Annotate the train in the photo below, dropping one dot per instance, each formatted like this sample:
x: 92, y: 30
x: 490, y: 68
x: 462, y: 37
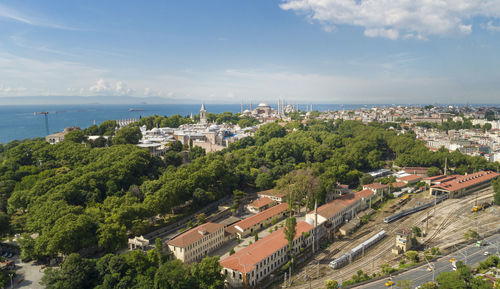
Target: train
x: 414, y: 210
x: 349, y: 256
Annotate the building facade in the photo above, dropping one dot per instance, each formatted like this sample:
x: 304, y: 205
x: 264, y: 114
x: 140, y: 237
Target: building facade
x: 249, y: 266
x: 196, y: 243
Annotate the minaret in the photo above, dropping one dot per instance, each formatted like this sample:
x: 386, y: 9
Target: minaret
x: 203, y: 114
x: 242, y: 107
x: 192, y: 117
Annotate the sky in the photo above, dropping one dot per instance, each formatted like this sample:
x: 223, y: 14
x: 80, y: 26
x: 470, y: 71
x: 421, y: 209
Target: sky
x: 227, y: 51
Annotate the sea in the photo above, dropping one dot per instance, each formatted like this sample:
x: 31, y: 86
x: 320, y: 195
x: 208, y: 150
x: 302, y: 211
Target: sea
x: 18, y: 122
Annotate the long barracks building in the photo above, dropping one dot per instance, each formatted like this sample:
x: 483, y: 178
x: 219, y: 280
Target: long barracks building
x: 250, y: 265
x: 458, y: 185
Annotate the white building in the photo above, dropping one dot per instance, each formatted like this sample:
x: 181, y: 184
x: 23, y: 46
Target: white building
x: 252, y: 264
x: 196, y: 243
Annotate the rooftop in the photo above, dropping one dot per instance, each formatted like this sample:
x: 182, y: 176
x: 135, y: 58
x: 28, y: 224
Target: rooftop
x: 410, y: 178
x: 330, y: 209
x: 461, y: 182
x: 376, y: 186
x: 272, y: 192
x: 246, y: 259
x: 257, y: 218
x: 261, y: 202
x: 187, y: 238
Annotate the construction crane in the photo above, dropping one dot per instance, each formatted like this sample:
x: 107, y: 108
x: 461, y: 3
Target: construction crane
x: 45, y: 113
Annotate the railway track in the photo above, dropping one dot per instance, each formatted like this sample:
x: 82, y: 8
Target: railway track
x: 384, y: 246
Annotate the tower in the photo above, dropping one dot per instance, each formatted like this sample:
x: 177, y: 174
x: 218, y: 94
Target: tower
x: 203, y: 114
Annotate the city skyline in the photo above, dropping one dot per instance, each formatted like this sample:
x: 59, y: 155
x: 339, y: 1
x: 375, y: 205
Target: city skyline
x: 228, y: 52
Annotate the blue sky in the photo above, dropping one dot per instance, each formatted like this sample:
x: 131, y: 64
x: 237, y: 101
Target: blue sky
x: 317, y: 51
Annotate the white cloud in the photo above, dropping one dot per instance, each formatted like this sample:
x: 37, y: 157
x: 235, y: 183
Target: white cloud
x: 16, y: 16
x: 395, y: 18
x: 103, y: 87
x: 491, y: 27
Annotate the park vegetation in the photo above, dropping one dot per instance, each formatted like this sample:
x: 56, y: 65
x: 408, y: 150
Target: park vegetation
x: 74, y: 196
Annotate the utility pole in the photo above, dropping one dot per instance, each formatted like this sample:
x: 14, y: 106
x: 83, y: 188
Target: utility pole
x: 11, y: 284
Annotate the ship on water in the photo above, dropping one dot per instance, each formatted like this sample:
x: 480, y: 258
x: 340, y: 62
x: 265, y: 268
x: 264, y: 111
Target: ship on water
x: 135, y: 109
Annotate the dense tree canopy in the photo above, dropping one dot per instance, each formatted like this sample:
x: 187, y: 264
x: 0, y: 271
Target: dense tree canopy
x: 99, y: 196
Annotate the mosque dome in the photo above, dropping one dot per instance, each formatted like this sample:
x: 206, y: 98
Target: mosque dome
x: 263, y: 105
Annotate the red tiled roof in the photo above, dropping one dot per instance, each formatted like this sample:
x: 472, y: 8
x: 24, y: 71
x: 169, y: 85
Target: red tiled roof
x: 410, y: 178
x: 257, y: 218
x: 337, y: 205
x: 272, y: 192
x: 376, y: 186
x: 441, y: 178
x: 398, y: 185
x: 230, y: 230
x: 414, y: 170
x: 246, y: 259
x: 261, y: 202
x: 365, y: 193
x: 195, y: 234
x: 461, y: 182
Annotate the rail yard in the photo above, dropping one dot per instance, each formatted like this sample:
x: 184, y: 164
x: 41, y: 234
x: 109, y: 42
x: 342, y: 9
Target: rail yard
x: 443, y: 225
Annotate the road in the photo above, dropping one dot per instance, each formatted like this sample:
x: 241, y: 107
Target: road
x: 420, y: 275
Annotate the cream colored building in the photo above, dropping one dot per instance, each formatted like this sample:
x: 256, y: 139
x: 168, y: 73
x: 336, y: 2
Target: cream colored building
x: 196, y: 243
x: 249, y: 266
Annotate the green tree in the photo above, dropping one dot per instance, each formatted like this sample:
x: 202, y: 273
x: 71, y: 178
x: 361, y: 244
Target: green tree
x: 196, y: 152
x: 75, y: 136
x: 471, y: 234
x: 112, y: 237
x: 173, y: 275
x: 496, y: 189
x: 201, y: 218
x: 159, y: 250
x: 289, y: 231
x: 4, y: 223
x: 127, y: 135
x: 264, y: 181
x: 331, y: 284
x: 450, y: 280
x: 433, y: 171
x: 416, y: 231
x: 412, y: 256
x: 367, y: 179
x: 74, y: 273
x: 207, y: 273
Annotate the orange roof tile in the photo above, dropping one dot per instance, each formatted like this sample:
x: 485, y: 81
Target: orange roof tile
x: 410, y: 178
x: 461, y: 182
x: 337, y: 205
x: 272, y: 192
x: 376, y: 186
x: 365, y: 193
x: 257, y: 218
x: 398, y: 185
x: 194, y: 234
x: 261, y: 202
x: 246, y: 259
